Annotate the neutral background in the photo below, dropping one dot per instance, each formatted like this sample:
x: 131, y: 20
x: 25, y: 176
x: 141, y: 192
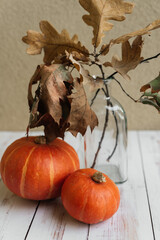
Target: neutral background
x: 16, y: 67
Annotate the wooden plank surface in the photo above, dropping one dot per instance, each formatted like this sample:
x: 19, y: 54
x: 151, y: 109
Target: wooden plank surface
x: 137, y: 218
x: 15, y: 215
x: 150, y: 151
x: 132, y: 221
x: 53, y: 222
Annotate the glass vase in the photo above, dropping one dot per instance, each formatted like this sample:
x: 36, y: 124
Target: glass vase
x: 105, y: 148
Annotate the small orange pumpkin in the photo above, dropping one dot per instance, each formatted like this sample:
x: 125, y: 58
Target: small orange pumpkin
x: 37, y: 171
x: 90, y: 196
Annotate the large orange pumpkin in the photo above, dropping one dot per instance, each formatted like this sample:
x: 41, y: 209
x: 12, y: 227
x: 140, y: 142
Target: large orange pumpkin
x: 37, y: 171
x: 90, y: 196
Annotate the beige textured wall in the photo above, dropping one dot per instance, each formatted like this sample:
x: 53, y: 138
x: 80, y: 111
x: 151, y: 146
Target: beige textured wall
x: 16, y: 67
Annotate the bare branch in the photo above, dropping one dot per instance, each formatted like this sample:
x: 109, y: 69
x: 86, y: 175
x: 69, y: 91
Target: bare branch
x: 104, y: 127
x: 117, y: 134
x: 92, y: 101
x: 150, y: 58
x: 124, y: 90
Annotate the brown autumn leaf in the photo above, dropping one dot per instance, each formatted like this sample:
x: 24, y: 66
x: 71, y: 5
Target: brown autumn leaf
x: 63, y: 58
x: 81, y: 114
x: 85, y: 77
x: 35, y: 78
x: 131, y: 57
x: 59, y: 103
x: 52, y: 129
x: 51, y: 95
x: 100, y: 11
x: 83, y: 72
x: 52, y: 42
x: 79, y: 57
x: 154, y: 25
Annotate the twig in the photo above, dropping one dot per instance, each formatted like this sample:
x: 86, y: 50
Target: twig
x: 103, y: 74
x: 111, y: 76
x: 72, y: 69
x: 94, y: 53
x: 124, y: 89
x: 150, y: 58
x: 117, y: 134
x: 92, y: 101
x: 104, y: 129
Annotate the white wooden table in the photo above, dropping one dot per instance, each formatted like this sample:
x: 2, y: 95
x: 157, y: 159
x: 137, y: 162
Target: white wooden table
x: 138, y: 217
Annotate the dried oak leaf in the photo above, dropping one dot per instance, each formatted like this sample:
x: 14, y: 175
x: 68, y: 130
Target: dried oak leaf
x: 100, y: 11
x: 63, y: 58
x: 131, y: 57
x: 85, y: 77
x: 51, y: 95
x: 52, y: 42
x: 52, y: 129
x: 154, y: 25
x: 59, y: 103
x: 81, y: 114
x: 79, y: 57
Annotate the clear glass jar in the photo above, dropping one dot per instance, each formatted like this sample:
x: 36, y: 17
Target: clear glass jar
x: 105, y: 149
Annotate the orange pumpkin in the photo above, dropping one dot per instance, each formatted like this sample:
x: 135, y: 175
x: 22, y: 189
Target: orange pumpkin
x: 37, y: 171
x: 90, y: 196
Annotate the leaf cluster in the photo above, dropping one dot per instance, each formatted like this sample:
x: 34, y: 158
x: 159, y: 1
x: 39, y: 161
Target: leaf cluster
x: 60, y: 101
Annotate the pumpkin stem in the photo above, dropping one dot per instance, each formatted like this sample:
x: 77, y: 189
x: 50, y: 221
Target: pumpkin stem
x: 40, y: 140
x: 98, y: 177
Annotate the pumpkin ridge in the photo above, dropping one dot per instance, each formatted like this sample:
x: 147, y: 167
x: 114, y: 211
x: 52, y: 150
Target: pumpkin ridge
x: 24, y: 170
x: 105, y: 212
x: 7, y: 159
x: 82, y: 210
x: 113, y: 194
x: 51, y: 175
x: 72, y: 150
x: 74, y: 165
